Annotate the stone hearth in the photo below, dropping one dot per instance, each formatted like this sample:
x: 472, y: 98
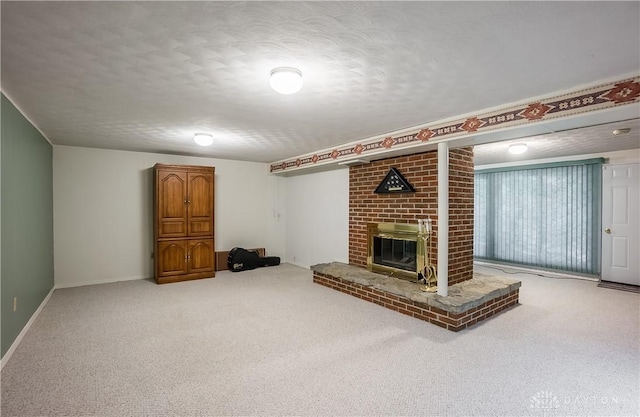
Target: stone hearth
x: 468, y: 302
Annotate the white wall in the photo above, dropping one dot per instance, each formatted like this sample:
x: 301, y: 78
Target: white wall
x: 103, y: 218
x: 103, y: 211
x: 622, y: 157
x: 317, y: 217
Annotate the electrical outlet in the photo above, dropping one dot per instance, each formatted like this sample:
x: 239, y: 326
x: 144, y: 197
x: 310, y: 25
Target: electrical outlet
x: 15, y: 304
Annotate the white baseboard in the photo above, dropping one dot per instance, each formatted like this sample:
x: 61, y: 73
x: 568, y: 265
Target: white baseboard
x: 26, y: 327
x: 95, y: 282
x: 297, y: 264
x: 526, y: 270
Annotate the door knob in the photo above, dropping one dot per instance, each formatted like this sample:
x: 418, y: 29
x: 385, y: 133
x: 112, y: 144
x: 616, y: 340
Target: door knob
x: 607, y: 231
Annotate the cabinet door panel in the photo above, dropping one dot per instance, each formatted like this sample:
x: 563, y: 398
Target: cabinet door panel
x: 201, y: 255
x: 172, y: 257
x: 200, y: 205
x: 172, y: 197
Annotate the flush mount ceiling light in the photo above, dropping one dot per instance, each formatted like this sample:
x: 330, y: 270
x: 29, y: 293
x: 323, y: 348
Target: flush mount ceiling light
x: 622, y: 131
x: 203, y: 139
x: 518, y: 148
x: 286, y: 80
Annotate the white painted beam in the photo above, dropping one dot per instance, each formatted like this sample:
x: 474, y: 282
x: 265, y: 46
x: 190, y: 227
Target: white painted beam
x: 443, y: 219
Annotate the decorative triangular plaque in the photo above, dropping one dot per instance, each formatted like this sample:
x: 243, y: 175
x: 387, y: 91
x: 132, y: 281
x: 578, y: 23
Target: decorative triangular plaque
x: 394, y: 182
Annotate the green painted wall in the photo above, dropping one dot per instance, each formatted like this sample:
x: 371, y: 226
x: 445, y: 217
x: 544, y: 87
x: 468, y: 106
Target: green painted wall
x: 26, y: 226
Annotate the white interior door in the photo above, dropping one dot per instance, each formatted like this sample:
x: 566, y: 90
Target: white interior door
x: 621, y: 224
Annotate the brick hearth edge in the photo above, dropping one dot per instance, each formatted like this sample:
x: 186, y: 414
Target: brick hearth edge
x: 469, y: 302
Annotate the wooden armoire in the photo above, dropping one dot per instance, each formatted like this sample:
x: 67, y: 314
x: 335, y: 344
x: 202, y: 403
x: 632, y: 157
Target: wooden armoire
x: 183, y: 223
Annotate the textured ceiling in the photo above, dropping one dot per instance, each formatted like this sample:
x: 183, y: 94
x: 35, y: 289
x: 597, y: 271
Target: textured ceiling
x: 588, y: 140
x: 145, y: 76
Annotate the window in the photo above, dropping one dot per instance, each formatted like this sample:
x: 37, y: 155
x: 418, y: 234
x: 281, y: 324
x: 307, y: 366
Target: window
x: 545, y: 216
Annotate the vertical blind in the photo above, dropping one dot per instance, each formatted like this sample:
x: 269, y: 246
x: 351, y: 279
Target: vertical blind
x: 545, y: 216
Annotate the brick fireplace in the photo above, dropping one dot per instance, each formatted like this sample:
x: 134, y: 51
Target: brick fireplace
x: 420, y: 170
x: 471, y: 297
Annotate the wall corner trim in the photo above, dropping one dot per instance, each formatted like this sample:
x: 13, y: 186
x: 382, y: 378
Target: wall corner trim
x: 25, y: 329
x: 4, y: 93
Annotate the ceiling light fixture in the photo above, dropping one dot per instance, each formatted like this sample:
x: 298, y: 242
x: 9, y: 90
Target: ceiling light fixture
x: 286, y: 80
x: 203, y: 139
x: 518, y: 148
x: 621, y: 131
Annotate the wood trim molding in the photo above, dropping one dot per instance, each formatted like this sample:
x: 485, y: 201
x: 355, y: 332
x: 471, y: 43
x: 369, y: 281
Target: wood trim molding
x: 557, y: 106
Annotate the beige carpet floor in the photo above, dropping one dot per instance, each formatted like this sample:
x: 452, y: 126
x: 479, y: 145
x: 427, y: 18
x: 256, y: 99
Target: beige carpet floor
x: 270, y: 342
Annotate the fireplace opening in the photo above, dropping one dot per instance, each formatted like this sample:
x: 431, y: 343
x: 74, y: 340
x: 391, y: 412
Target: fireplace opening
x: 395, y: 253
x: 392, y: 249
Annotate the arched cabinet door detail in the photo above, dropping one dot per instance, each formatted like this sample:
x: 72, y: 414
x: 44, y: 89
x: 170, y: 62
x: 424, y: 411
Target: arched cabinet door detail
x: 183, y: 222
x: 199, y: 208
x: 201, y: 255
x: 172, y: 204
x: 172, y: 257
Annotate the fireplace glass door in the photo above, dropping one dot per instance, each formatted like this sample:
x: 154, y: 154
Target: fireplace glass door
x: 395, y: 253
